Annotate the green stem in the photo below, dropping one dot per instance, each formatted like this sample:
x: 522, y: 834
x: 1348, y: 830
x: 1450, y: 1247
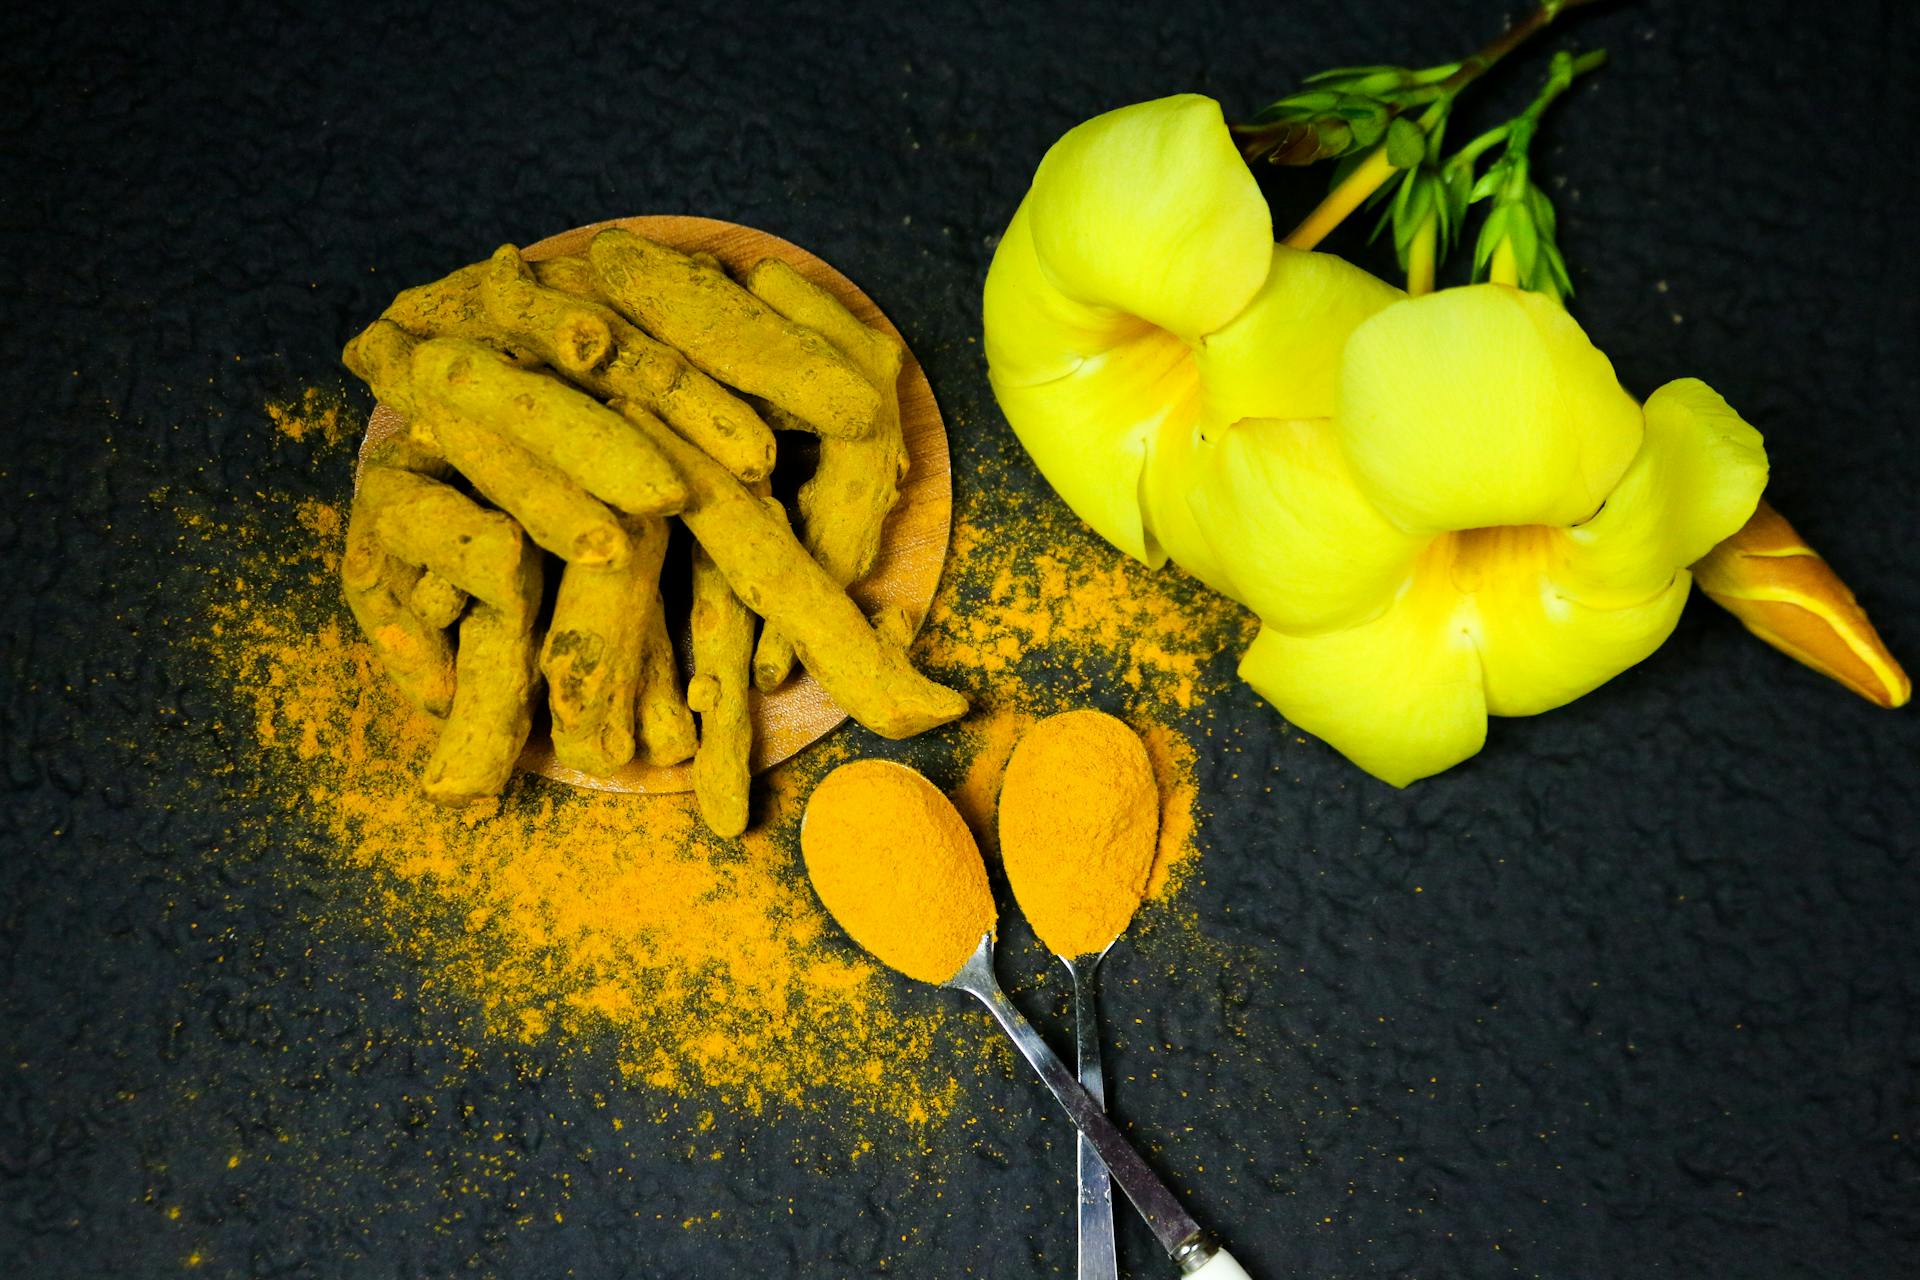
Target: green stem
x: 1472, y: 68
x: 1341, y: 201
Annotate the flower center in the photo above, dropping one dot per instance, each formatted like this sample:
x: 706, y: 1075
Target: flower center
x: 1476, y: 558
x: 1161, y: 370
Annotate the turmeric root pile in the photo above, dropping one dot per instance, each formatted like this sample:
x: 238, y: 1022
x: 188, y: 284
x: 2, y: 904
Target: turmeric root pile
x: 561, y: 416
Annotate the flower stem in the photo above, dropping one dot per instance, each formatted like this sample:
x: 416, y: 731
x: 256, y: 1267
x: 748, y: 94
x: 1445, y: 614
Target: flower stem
x: 1342, y: 200
x: 1472, y: 68
x: 1376, y: 170
x: 1421, y: 256
x: 1505, y: 267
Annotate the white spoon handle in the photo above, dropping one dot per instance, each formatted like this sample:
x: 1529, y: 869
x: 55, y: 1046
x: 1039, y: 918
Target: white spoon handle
x: 1220, y: 1266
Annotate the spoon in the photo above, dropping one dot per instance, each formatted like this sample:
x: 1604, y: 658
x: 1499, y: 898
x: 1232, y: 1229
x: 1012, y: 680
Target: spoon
x: 900, y: 888
x: 1098, y: 1258
x: 1079, y: 821
x: 1191, y: 1248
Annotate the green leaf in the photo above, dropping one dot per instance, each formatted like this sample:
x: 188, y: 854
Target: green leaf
x: 1406, y: 143
x: 1490, y: 181
x: 1492, y: 232
x: 1368, y: 130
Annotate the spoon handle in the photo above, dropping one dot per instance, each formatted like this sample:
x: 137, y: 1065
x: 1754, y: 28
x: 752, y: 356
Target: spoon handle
x: 1097, y: 1257
x: 1172, y: 1225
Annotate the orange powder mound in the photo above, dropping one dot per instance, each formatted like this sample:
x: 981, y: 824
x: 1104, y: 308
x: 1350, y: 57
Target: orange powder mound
x: 699, y: 967
x: 1079, y: 822
x: 894, y: 862
x: 986, y: 742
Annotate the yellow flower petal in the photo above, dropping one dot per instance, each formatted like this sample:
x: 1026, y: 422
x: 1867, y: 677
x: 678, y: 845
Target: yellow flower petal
x: 1089, y: 431
x: 1539, y: 647
x: 1298, y: 542
x: 1034, y: 332
x: 1143, y: 230
x: 1400, y: 696
x: 1481, y: 406
x: 1696, y: 479
x: 1150, y: 210
x: 1280, y: 357
x: 1177, y: 459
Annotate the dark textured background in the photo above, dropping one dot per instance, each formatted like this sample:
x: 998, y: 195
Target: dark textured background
x: 1653, y: 1012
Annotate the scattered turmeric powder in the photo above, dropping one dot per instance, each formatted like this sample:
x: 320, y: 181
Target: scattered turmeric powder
x: 894, y: 863
x: 1079, y: 815
x: 617, y: 926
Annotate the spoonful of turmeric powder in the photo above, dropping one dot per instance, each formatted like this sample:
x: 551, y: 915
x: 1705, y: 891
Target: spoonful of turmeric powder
x: 896, y: 865
x: 1079, y: 821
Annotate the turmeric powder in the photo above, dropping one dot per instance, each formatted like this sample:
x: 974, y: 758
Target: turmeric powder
x: 611, y: 923
x: 1079, y: 820
x: 894, y: 863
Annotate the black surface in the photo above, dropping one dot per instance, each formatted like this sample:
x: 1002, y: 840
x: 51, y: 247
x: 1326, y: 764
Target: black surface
x: 1653, y: 1011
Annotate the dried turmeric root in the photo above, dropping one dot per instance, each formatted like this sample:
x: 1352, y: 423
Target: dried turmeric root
x: 434, y: 525
x: 496, y: 678
x: 844, y: 505
x: 592, y: 654
x: 722, y: 632
x: 563, y: 427
x: 381, y: 355
x: 651, y: 374
x: 435, y: 601
x: 729, y: 334
x: 667, y: 734
x: 867, y: 675
x: 451, y: 307
x: 417, y: 655
x: 556, y: 513
x: 565, y: 331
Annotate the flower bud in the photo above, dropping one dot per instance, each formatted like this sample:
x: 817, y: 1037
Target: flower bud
x: 1779, y: 587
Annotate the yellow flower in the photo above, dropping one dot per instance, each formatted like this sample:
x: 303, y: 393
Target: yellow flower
x: 1441, y: 507
x: 1138, y: 296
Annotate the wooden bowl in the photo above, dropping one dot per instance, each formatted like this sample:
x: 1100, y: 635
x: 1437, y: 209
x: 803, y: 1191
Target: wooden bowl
x: 912, y: 550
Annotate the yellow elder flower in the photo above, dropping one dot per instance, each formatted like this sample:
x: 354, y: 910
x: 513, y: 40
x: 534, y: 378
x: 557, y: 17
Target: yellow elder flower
x: 1138, y: 295
x: 1440, y: 507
